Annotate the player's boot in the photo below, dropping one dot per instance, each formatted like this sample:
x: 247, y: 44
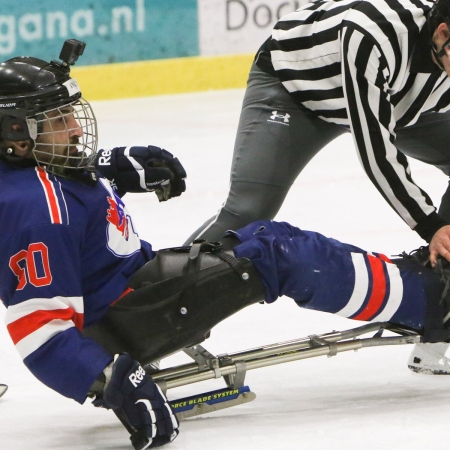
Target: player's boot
x: 430, y: 359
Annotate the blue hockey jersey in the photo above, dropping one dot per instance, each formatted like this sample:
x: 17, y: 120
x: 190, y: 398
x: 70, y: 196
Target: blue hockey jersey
x: 67, y: 250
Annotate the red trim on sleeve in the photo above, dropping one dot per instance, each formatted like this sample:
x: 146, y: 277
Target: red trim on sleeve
x: 23, y: 327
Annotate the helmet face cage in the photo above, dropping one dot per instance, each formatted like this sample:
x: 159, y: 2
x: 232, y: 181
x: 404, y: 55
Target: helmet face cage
x: 66, y: 137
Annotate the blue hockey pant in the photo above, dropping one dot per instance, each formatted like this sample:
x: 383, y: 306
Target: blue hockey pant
x: 324, y: 274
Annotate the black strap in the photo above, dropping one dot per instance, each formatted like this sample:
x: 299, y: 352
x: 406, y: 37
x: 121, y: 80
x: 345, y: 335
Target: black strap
x: 192, y: 269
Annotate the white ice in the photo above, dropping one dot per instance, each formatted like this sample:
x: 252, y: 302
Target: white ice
x: 367, y: 399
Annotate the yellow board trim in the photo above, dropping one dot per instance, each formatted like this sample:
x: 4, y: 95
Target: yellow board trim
x: 166, y: 76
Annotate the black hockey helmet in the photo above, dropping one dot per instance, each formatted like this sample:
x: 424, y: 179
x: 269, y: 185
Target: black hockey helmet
x: 33, y: 85
x: 32, y: 92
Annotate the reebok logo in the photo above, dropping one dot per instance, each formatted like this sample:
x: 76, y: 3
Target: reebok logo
x: 137, y: 376
x: 105, y: 158
x: 282, y: 119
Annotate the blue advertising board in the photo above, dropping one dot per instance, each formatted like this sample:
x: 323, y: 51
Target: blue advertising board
x: 114, y: 30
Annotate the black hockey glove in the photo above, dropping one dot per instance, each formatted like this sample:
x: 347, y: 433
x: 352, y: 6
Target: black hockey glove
x: 142, y: 169
x: 139, y: 403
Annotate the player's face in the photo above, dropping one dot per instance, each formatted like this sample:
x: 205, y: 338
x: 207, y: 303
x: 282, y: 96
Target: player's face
x: 57, y: 142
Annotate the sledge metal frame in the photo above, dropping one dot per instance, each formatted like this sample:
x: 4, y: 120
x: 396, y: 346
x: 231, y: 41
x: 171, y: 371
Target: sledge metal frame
x: 233, y: 367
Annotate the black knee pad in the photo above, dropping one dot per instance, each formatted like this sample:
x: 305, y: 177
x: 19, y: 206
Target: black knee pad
x: 178, y: 298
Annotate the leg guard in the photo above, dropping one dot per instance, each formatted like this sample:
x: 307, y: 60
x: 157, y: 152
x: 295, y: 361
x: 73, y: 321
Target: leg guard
x: 177, y: 298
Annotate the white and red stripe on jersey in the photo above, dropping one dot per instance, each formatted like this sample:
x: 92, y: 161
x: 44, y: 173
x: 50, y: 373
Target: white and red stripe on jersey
x: 57, y: 206
x: 34, y: 322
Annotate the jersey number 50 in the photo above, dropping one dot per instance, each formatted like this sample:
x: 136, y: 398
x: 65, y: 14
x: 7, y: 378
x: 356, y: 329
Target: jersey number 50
x: 27, y: 262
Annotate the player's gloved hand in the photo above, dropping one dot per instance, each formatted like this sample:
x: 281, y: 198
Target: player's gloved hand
x: 142, y: 169
x: 134, y: 397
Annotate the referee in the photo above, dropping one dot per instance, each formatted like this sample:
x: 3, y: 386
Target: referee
x: 378, y: 69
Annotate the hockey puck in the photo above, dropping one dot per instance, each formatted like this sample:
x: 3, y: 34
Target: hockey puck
x: 3, y: 389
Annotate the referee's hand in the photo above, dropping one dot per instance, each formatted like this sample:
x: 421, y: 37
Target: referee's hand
x: 440, y: 245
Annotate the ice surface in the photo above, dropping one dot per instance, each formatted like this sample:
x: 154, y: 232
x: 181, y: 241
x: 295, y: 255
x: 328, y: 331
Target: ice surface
x: 367, y: 399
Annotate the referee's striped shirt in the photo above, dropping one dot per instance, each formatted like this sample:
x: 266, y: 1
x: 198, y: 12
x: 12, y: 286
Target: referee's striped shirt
x: 365, y: 64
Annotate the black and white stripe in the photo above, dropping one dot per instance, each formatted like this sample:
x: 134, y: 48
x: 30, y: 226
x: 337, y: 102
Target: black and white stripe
x: 367, y: 65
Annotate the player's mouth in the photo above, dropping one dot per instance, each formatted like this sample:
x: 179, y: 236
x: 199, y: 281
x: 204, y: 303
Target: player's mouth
x: 72, y: 147
x: 73, y: 151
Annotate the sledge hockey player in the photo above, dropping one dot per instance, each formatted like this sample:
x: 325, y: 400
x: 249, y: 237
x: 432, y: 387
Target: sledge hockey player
x: 373, y: 68
x: 68, y: 244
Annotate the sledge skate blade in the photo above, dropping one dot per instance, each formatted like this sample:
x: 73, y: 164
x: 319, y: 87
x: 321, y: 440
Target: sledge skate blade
x: 3, y: 389
x: 211, y: 401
